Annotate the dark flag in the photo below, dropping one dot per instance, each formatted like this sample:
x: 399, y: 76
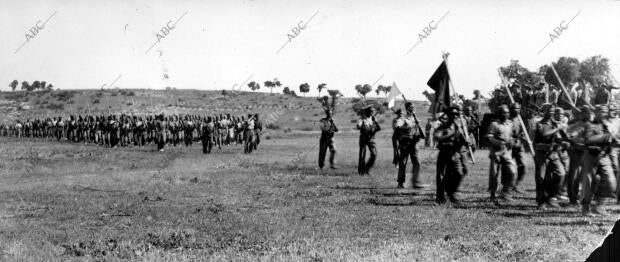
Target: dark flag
x: 608, y: 250
x: 440, y: 82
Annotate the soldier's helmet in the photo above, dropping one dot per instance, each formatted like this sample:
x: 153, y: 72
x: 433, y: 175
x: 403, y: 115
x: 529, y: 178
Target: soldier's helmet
x: 467, y: 109
x: 398, y: 112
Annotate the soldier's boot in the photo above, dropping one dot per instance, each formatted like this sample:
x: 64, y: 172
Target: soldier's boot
x: 585, y: 211
x: 599, y: 208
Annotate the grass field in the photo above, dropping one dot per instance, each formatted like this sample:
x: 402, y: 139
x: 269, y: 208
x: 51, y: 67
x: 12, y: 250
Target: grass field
x: 62, y: 201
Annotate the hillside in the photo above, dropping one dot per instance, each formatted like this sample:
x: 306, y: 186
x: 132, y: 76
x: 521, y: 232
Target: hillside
x: 297, y: 113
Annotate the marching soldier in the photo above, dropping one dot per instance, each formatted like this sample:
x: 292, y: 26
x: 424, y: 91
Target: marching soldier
x: 576, y: 137
x: 395, y: 136
x: 549, y: 169
x: 472, y: 125
x: 328, y: 129
x: 599, y: 181
x: 248, y: 134
x: 501, y: 140
x: 208, y: 136
x: 518, y: 152
x: 368, y: 128
x: 258, y: 129
x: 408, y: 136
x: 451, y: 166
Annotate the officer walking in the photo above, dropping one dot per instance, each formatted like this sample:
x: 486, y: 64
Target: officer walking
x: 368, y: 127
x: 408, y: 136
x: 328, y: 129
x: 451, y: 167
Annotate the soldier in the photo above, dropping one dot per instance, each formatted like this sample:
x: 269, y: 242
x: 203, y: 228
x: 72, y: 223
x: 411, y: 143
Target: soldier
x: 208, y: 136
x: 518, y: 152
x: 248, y: 134
x: 549, y: 169
x: 408, y: 132
x: 328, y: 129
x: 189, y: 131
x: 368, y: 128
x: 428, y: 142
x: 473, y: 125
x: 451, y: 166
x: 599, y: 181
x: 501, y: 140
x: 258, y: 129
x: 575, y: 134
x: 161, y: 127
x: 395, y: 136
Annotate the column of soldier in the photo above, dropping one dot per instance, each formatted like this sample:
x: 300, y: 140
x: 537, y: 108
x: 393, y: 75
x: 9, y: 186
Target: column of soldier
x: 576, y: 155
x: 131, y: 130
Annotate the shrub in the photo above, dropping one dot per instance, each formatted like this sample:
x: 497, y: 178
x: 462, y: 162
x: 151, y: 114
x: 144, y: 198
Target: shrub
x: 273, y: 126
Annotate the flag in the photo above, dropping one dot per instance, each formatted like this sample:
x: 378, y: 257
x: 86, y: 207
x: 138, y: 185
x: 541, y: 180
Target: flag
x: 440, y: 82
x: 394, y: 93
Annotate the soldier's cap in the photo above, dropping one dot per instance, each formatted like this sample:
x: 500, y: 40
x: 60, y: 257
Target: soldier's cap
x: 399, y: 111
x: 408, y: 104
x: 559, y: 110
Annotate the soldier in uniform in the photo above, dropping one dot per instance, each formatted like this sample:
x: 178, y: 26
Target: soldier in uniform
x: 408, y: 132
x: 208, y: 135
x: 248, y: 134
x: 328, y: 129
x: 258, y: 129
x: 599, y: 181
x: 576, y: 137
x: 473, y: 125
x: 549, y: 169
x: 451, y: 166
x: 518, y: 152
x: 501, y: 161
x: 395, y: 136
x: 368, y: 128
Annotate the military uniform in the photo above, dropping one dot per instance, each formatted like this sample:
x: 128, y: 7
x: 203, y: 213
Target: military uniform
x: 599, y: 180
x: 328, y: 129
x: 368, y: 128
x: 409, y: 134
x: 500, y: 136
x: 451, y: 166
x: 575, y: 133
x: 549, y: 168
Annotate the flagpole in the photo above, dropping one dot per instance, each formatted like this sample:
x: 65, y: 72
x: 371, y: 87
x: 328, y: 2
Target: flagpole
x: 462, y: 128
x: 512, y: 100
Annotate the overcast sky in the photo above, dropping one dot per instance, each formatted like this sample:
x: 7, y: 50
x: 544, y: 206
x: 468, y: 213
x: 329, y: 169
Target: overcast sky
x: 219, y: 44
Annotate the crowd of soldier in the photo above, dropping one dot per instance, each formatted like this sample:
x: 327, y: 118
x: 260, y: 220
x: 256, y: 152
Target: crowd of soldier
x: 576, y: 155
x: 131, y: 130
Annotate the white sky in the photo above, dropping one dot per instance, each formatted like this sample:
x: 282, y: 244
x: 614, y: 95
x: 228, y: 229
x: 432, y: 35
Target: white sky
x: 218, y: 44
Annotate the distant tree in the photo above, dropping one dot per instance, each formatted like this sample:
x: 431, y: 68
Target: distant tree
x: 35, y: 85
x: 385, y: 89
x: 334, y: 93
x: 286, y: 90
x: 304, y: 88
x: 363, y: 89
x: 50, y: 87
x: 43, y: 85
x: 595, y: 70
x: 567, y: 68
x: 253, y: 86
x: 272, y: 84
x: 14, y: 85
x: 321, y: 87
x: 25, y: 85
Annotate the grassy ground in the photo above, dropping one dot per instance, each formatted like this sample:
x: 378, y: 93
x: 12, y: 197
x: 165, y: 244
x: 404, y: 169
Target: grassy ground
x: 61, y: 201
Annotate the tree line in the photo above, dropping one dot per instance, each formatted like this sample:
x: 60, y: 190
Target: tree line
x: 36, y: 85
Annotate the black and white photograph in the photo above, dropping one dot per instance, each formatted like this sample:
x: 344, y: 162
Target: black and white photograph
x: 326, y: 130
